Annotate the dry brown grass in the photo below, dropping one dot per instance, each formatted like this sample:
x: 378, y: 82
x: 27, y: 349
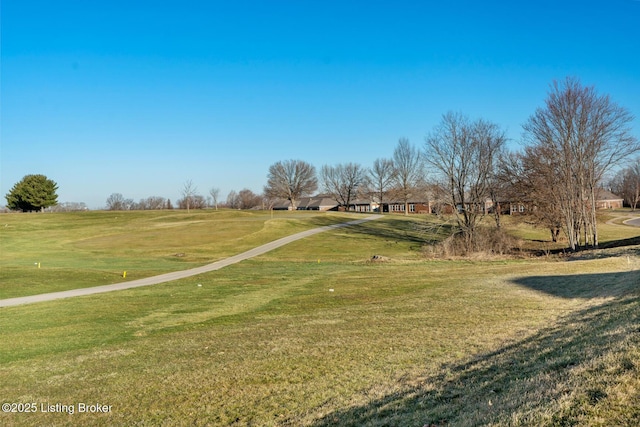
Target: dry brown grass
x: 406, y: 342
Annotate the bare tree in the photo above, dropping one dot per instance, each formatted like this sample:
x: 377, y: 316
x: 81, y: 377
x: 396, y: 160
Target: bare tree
x: 215, y: 194
x: 408, y: 171
x: 247, y: 199
x: 626, y: 183
x: 291, y: 180
x: 140, y: 206
x: 129, y: 204
x: 499, y: 185
x: 151, y: 203
x: 583, y: 134
x: 463, y: 155
x: 156, y: 202
x: 343, y: 182
x: 380, y: 179
x: 233, y: 201
x: 194, y: 202
x: 530, y: 179
x: 188, y: 193
x: 115, y: 202
x: 69, y: 207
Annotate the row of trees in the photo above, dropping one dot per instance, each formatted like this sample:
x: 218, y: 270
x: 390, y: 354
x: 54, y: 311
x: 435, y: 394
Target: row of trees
x: 570, y: 144
x: 397, y: 178
x: 117, y: 202
x: 245, y: 199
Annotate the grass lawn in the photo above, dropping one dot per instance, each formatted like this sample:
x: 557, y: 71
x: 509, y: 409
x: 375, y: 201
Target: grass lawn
x: 315, y: 334
x: 76, y: 250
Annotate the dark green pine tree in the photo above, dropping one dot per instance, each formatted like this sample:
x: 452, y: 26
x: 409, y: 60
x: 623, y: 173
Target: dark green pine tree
x: 32, y: 193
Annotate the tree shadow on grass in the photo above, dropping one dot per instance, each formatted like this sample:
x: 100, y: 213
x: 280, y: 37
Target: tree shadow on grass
x: 393, y: 230
x: 596, y: 285
x: 397, y: 230
x: 621, y: 243
x: 608, y: 249
x: 522, y: 383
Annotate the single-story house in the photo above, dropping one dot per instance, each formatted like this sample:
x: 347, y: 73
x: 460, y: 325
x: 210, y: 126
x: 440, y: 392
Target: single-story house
x: 604, y: 200
x: 418, y: 207
x: 316, y: 203
x: 364, y: 205
x: 607, y: 200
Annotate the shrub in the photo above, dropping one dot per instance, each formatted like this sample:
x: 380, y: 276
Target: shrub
x: 486, y: 241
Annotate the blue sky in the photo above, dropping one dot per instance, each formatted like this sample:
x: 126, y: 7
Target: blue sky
x: 137, y: 97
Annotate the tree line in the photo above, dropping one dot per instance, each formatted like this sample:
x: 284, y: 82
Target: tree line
x: 570, y: 145
x: 244, y: 199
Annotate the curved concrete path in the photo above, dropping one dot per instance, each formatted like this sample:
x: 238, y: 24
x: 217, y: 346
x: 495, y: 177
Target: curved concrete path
x: 179, y: 274
x: 634, y: 222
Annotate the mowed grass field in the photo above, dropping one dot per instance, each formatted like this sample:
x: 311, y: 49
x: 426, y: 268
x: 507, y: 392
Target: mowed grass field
x: 52, y: 252
x: 314, y: 333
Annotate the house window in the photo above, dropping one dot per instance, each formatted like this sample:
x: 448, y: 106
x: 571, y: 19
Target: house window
x: 412, y: 207
x: 521, y: 208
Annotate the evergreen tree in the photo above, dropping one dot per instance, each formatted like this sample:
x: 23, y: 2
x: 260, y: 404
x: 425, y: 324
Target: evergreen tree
x: 32, y: 193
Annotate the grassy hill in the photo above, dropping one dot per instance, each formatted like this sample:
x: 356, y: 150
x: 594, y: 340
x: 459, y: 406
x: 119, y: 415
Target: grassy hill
x: 314, y: 333
x: 53, y: 252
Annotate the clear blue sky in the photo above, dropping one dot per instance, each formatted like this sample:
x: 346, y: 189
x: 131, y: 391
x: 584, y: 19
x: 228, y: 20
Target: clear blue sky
x: 137, y: 97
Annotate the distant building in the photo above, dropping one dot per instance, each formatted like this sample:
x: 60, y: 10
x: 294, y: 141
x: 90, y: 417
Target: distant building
x: 315, y: 203
x: 607, y: 200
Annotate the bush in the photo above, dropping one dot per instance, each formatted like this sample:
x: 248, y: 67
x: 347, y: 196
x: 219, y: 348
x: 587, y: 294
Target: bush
x: 486, y: 241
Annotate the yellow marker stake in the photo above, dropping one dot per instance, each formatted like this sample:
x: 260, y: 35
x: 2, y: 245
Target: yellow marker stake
x: 124, y: 274
x: 38, y: 265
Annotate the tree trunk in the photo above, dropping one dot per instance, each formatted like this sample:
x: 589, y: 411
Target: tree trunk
x: 497, y: 215
x: 594, y: 223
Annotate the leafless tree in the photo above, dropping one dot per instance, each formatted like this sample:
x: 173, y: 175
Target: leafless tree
x: 463, y: 155
x: 626, y: 183
x: 291, y: 180
x: 379, y: 179
x: 233, y: 201
x: 533, y: 181
x: 215, y: 195
x: 188, y: 193
x: 156, y: 202
x: 343, y: 182
x: 151, y: 203
x: 408, y: 171
x: 69, y: 207
x: 584, y: 134
x: 140, y: 206
x: 247, y: 199
x: 115, y: 202
x: 194, y: 202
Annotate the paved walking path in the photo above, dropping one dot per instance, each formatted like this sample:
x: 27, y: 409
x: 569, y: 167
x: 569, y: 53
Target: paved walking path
x: 179, y: 274
x: 635, y: 222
